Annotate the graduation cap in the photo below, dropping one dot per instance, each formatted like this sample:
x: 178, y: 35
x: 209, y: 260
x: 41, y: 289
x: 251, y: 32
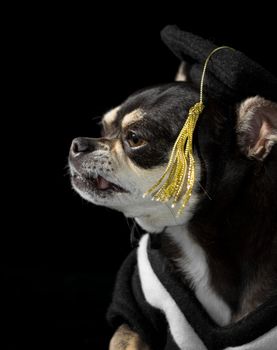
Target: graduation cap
x: 224, y: 73
x: 231, y: 75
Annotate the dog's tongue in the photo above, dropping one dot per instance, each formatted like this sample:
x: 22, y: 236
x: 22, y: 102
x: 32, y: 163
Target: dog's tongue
x: 102, y: 184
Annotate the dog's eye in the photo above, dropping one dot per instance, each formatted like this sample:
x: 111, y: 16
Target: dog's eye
x: 134, y: 140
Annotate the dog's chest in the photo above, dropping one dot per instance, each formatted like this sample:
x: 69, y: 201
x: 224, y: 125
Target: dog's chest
x: 192, y: 264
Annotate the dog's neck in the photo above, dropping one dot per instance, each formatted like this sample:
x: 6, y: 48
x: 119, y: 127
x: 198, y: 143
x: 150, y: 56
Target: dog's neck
x: 163, y: 216
x: 191, y: 260
x: 156, y: 222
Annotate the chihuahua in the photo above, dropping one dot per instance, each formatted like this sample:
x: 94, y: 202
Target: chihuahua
x: 225, y: 241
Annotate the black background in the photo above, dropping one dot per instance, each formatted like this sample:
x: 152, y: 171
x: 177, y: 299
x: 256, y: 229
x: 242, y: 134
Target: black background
x: 66, y: 67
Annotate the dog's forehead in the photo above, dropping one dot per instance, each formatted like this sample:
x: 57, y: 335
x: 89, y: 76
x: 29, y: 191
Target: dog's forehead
x: 159, y: 104
x: 112, y: 118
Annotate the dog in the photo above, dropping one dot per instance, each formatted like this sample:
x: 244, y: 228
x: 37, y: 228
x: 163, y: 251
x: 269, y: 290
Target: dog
x: 225, y: 241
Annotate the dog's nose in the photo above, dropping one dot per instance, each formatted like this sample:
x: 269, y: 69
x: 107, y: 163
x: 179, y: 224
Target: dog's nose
x: 81, y: 145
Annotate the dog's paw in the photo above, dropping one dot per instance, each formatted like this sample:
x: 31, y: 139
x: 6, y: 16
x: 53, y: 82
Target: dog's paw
x: 126, y: 339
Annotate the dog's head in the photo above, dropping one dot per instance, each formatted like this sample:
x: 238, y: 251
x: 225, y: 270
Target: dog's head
x: 116, y: 169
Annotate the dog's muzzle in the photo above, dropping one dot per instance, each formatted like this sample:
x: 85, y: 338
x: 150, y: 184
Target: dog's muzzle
x: 92, y: 176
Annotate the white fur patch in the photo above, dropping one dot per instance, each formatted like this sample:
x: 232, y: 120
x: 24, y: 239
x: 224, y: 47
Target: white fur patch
x: 157, y: 296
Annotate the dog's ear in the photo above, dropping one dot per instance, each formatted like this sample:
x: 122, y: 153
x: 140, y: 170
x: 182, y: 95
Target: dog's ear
x: 257, y: 127
x: 182, y: 73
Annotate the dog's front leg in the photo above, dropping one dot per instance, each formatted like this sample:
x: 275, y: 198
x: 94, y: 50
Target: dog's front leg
x: 126, y: 339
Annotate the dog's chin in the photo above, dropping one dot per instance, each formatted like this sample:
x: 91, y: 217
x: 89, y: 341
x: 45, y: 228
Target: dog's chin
x: 96, y: 190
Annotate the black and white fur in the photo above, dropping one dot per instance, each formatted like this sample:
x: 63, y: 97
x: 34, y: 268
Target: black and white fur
x: 225, y: 242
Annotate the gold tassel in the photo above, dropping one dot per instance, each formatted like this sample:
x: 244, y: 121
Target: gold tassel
x: 181, y: 166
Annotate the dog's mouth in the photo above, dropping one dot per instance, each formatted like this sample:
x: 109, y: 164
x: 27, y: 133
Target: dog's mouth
x: 98, y: 184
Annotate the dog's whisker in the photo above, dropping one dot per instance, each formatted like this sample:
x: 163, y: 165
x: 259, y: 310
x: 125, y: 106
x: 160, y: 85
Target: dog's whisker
x: 96, y: 118
x: 169, y: 207
x: 205, y: 191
